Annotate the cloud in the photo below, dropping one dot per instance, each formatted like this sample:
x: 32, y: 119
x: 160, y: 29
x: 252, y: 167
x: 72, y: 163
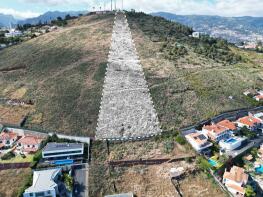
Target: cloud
x: 19, y: 14
x: 206, y: 7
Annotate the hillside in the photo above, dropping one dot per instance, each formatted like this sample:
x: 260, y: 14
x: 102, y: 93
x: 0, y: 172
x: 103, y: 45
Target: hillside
x: 234, y: 29
x: 189, y: 79
x: 192, y: 79
x: 62, y: 72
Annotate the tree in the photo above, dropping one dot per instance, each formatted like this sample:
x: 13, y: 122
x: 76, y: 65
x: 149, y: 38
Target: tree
x: 246, y: 132
x: 249, y: 191
x: 68, y: 180
x: 203, y: 164
x: 68, y: 17
x: 254, y: 153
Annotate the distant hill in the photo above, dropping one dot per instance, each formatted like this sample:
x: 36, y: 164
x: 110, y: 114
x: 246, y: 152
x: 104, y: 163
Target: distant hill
x: 49, y: 16
x: 234, y: 29
x: 6, y: 20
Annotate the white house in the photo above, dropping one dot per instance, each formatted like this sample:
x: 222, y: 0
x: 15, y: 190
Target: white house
x: 235, y: 180
x: 29, y: 144
x: 259, y: 97
x: 13, y: 33
x: 216, y: 132
x: 196, y: 34
x: 44, y: 184
x: 231, y: 143
x: 62, y: 150
x: 198, y: 141
x: 249, y: 121
x: 8, y: 138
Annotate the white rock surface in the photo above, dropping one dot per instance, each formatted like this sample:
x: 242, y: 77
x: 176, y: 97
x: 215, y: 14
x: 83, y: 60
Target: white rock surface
x: 127, y: 109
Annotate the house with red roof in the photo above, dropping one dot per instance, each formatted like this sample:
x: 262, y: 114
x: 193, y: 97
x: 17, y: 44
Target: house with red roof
x: 216, y: 132
x: 228, y: 124
x: 29, y: 144
x: 250, y: 122
x: 259, y: 97
x: 7, y: 139
x: 235, y: 180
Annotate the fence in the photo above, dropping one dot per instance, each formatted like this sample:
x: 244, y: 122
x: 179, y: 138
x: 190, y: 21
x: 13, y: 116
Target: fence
x: 127, y: 163
x: 232, y: 115
x: 6, y: 166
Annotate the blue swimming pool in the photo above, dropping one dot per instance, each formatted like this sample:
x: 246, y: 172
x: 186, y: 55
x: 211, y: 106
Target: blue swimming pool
x: 231, y: 140
x: 259, y: 170
x: 64, y: 162
x: 212, y: 162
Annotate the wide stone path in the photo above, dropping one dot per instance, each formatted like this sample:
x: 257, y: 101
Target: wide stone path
x: 127, y: 109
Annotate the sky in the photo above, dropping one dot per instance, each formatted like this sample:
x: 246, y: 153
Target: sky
x: 32, y: 8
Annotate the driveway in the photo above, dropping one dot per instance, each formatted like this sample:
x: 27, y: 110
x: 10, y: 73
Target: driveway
x: 80, y: 175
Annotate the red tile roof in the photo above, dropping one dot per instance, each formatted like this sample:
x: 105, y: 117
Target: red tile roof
x: 249, y: 120
x: 227, y: 124
x: 8, y: 136
x: 30, y: 140
x: 237, y: 188
x: 215, y: 128
x: 236, y: 174
x: 259, y: 97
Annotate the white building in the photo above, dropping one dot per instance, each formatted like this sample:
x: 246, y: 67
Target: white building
x: 250, y: 122
x: 231, y: 143
x: 196, y: 34
x: 62, y: 150
x: 198, y: 141
x: 235, y: 180
x: 13, y: 33
x: 216, y: 132
x: 44, y: 184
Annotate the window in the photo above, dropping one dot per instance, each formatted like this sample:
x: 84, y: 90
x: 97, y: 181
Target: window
x: 31, y: 194
x: 64, y: 153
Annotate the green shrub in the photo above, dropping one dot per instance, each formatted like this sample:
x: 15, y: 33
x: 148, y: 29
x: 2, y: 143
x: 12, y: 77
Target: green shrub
x: 168, y: 146
x: 68, y: 180
x: 180, y: 139
x: 8, y: 156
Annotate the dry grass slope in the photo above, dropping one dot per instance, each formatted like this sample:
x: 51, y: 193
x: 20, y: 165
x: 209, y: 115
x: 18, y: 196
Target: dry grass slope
x: 192, y: 87
x: 12, y: 182
x: 63, y: 73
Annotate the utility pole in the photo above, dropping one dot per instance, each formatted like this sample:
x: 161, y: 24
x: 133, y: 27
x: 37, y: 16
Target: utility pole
x: 115, y: 5
x: 122, y: 4
x: 111, y: 5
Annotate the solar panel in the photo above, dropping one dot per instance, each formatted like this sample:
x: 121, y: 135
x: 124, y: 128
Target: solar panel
x: 202, y: 137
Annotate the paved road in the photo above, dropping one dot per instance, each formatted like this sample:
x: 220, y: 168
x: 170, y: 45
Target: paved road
x: 81, y: 181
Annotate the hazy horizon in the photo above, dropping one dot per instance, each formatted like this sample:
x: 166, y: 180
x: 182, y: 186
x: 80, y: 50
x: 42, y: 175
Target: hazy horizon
x: 22, y: 9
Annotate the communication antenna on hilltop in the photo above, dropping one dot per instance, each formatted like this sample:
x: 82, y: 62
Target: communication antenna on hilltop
x: 111, y: 5
x: 115, y: 4
x: 122, y: 4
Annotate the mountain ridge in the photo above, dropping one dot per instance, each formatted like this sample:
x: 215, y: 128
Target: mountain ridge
x: 234, y: 29
x: 6, y: 20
